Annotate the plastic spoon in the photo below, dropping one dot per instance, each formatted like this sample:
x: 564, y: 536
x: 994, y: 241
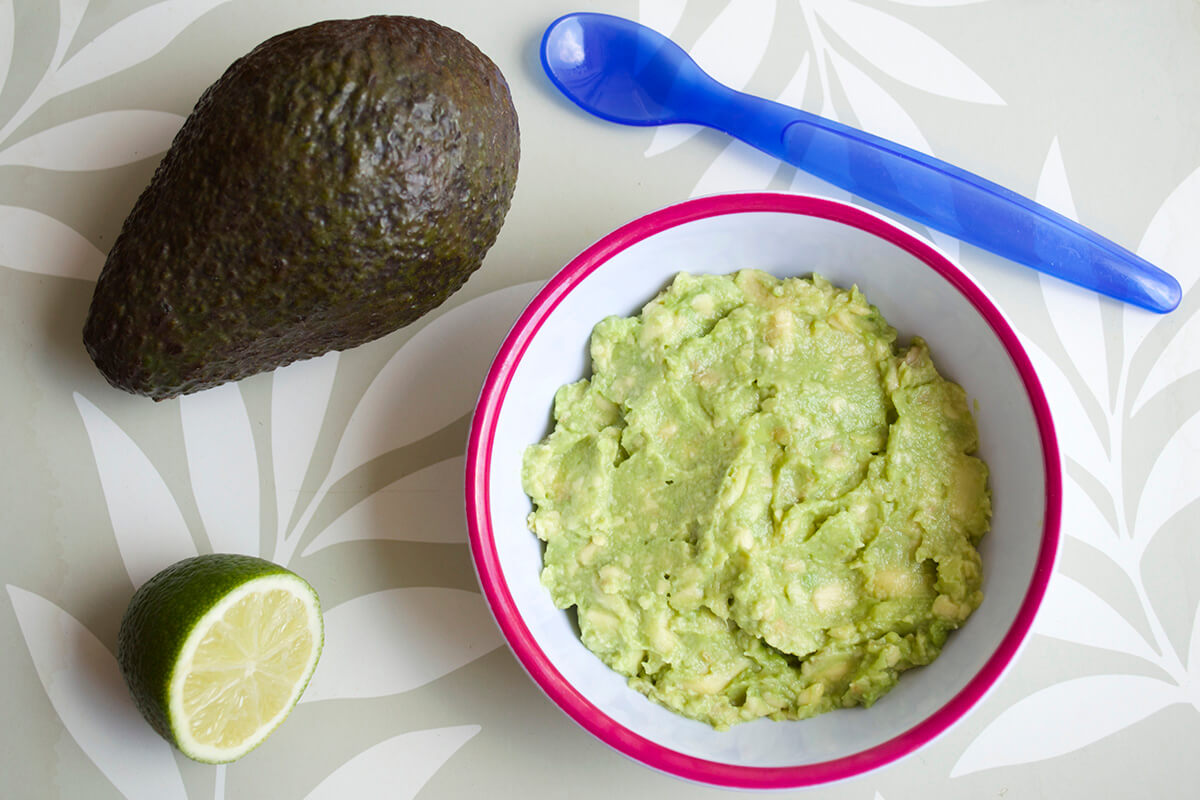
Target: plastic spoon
x: 627, y: 73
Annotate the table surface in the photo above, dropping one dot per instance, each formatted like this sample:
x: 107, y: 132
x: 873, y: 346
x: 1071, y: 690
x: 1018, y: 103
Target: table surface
x: 348, y: 468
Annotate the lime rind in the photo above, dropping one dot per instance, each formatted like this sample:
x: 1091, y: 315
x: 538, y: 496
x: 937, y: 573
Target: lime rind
x: 165, y: 624
x: 178, y: 716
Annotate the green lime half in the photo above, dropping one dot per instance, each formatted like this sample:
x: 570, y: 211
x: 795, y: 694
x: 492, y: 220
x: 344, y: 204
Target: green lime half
x: 217, y: 649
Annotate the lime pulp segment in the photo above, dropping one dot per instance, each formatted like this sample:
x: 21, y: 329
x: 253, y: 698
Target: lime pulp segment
x: 244, y: 666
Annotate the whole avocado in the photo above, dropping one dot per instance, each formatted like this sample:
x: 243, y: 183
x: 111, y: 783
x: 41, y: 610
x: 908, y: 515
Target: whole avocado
x: 335, y: 184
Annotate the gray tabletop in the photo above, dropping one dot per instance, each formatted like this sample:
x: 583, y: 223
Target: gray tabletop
x: 348, y: 468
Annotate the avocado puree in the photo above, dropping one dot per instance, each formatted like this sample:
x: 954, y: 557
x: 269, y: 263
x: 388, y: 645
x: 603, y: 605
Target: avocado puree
x: 759, y: 504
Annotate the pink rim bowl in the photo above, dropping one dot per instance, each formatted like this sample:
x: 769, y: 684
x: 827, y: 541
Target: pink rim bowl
x: 920, y: 292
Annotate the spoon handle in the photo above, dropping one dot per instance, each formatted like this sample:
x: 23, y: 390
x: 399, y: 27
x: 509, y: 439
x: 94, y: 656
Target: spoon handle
x: 944, y: 198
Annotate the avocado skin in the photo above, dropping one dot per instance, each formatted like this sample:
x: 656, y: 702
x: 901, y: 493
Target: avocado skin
x: 335, y: 184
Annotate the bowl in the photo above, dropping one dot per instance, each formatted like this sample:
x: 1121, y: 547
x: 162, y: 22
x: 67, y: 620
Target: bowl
x: 920, y: 292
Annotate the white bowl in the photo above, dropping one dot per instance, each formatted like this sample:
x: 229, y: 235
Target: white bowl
x: 920, y: 292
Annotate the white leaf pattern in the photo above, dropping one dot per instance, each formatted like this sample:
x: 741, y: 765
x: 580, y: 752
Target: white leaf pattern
x: 1074, y: 312
x: 34, y: 242
x: 138, y: 37
x: 1172, y: 483
x: 806, y: 183
x: 950, y: 246
x: 905, y: 53
x: 430, y: 633
x: 1074, y: 613
x: 1063, y: 718
x: 793, y: 93
x: 85, y: 687
x: 7, y: 28
x: 1083, y: 521
x: 739, y: 167
x: 224, y: 467
x: 1193, y: 662
x: 70, y: 14
x: 1181, y: 357
x: 396, y: 768
x: 1172, y: 243
x: 99, y: 141
x: 730, y: 50
x: 661, y: 15
x: 299, y: 397
x: 803, y: 182
x: 1077, y: 436
x: 414, y: 394
x: 149, y: 529
x: 425, y: 506
x: 877, y: 111
x: 938, y: 3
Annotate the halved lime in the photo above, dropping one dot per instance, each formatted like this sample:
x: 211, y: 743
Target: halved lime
x: 217, y: 649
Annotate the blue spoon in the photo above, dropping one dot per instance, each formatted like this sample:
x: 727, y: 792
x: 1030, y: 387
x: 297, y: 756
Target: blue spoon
x: 627, y: 73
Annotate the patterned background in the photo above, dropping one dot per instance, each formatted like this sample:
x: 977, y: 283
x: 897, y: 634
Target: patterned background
x: 348, y: 468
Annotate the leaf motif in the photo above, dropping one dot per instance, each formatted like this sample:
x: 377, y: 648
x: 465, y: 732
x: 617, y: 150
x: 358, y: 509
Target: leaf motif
x: 1074, y: 312
x: 668, y: 137
x: 938, y: 3
x: 85, y: 687
x: 905, y: 53
x: 451, y: 353
x: 738, y: 167
x: 804, y: 183
x: 396, y: 768
x: 797, y: 87
x: 146, y: 521
x: 661, y: 15
x: 1172, y: 243
x: 35, y: 242
x: 877, y: 111
x: 425, y: 506
x: 1181, y: 357
x: 1077, y: 437
x: 1172, y: 483
x: 430, y: 633
x: 7, y: 49
x: 1082, y: 520
x: 949, y: 245
x: 99, y: 141
x: 223, y: 465
x: 742, y: 29
x: 299, y: 397
x: 138, y: 37
x: 70, y: 14
x: 1072, y: 612
x: 1063, y: 718
x: 1193, y: 662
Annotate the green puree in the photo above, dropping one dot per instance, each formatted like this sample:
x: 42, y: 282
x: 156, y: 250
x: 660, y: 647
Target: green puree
x: 759, y: 503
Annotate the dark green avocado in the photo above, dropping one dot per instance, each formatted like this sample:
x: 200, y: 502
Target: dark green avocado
x: 335, y: 184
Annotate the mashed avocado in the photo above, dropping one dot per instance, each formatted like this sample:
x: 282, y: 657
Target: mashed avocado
x: 759, y: 504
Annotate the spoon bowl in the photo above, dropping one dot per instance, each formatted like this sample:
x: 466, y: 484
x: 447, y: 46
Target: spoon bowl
x: 622, y: 71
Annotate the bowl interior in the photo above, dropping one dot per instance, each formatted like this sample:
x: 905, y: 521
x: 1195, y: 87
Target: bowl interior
x: 917, y: 300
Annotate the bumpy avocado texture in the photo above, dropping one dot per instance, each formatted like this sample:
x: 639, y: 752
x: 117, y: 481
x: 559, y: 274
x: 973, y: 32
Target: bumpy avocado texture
x: 335, y: 184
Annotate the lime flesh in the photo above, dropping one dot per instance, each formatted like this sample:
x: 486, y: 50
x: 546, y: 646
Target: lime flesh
x: 217, y: 651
